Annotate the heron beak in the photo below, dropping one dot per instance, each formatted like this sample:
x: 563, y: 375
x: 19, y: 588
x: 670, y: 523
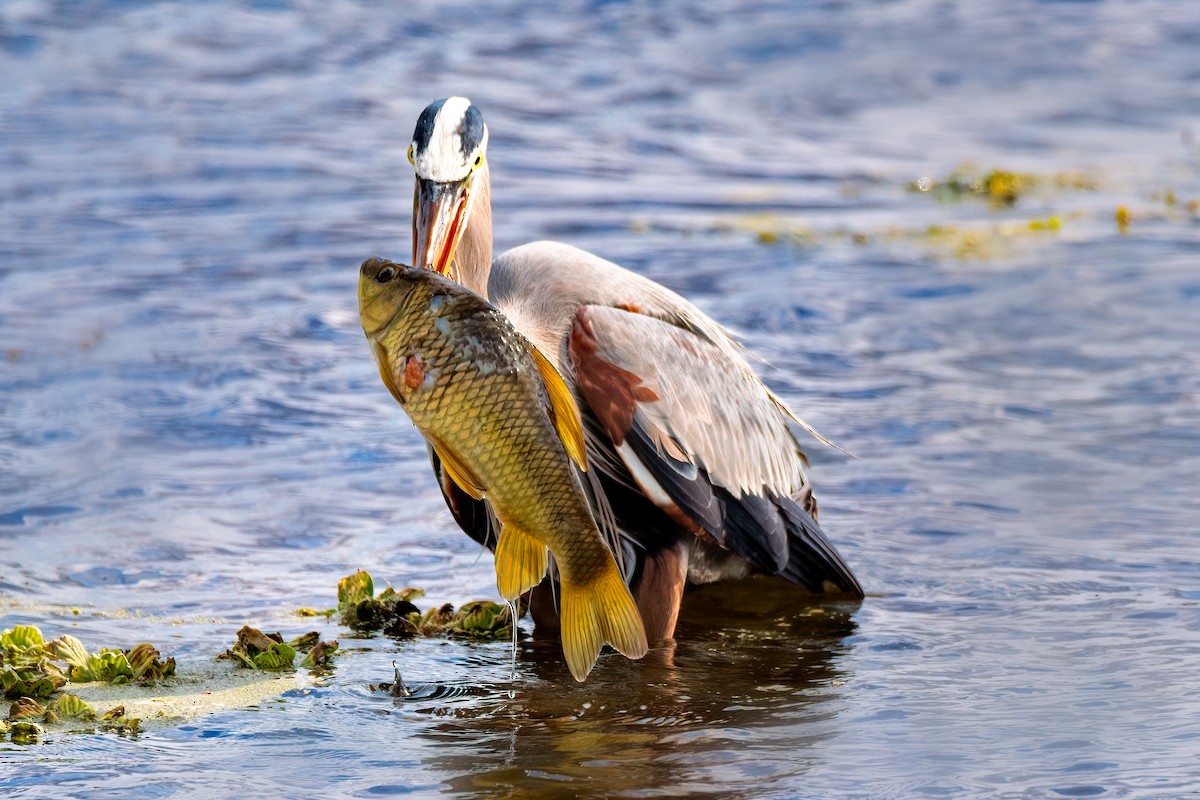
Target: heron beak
x: 439, y: 219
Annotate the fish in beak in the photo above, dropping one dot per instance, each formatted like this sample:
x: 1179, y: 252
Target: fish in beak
x: 440, y: 348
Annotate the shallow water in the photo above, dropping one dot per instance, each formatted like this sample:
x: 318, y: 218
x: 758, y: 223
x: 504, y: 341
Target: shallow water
x: 192, y: 430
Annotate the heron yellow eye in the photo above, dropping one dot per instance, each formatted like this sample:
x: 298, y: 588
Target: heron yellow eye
x: 410, y: 155
x: 478, y: 161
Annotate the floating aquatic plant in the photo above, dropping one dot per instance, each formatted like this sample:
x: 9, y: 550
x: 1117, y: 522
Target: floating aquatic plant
x: 68, y: 706
x: 22, y: 644
x: 29, y: 683
x: 140, y: 663
x: 115, y: 720
x: 320, y: 656
x: 478, y: 619
x: 69, y: 649
x: 268, y: 651
x: 1123, y: 217
x: 434, y: 620
x: 32, y: 670
x: 394, y: 613
x: 312, y: 612
x: 25, y: 732
x: 26, y: 708
x: 482, y: 619
x: 361, y: 610
x: 26, y: 670
x: 108, y: 666
x: 999, y: 187
x: 146, y: 663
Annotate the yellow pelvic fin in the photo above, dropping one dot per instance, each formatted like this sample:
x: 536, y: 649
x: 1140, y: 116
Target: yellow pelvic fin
x: 520, y: 562
x: 597, y: 613
x: 459, y: 472
x: 563, y: 410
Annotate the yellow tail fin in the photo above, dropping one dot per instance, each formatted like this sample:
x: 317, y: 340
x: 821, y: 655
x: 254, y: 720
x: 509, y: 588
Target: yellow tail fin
x: 520, y: 562
x: 597, y: 613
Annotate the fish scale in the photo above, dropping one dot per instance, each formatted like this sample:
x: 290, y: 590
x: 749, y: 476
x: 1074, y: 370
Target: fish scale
x: 502, y: 422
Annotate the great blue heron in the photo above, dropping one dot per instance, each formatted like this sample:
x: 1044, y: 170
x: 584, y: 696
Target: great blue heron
x: 696, y: 477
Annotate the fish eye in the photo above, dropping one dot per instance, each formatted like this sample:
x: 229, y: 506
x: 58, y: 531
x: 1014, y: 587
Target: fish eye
x: 386, y: 274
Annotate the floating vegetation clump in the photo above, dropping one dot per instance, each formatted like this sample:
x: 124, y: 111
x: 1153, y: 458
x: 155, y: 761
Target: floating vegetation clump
x: 268, y: 651
x: 360, y: 609
x: 1051, y: 223
x: 68, y: 706
x: 769, y: 229
x: 26, y: 669
x: 115, y: 720
x: 33, y: 670
x: 141, y: 663
x: 980, y: 243
x: 481, y: 619
x: 393, y: 613
x: 965, y: 243
x: 26, y: 708
x: 29, y: 668
x: 62, y: 707
x: 999, y: 187
x: 27, y: 718
x: 320, y: 656
x: 23, y: 731
x: 312, y: 612
x: 1123, y: 218
x: 36, y: 674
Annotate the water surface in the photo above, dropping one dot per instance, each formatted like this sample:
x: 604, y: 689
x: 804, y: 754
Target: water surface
x: 192, y: 432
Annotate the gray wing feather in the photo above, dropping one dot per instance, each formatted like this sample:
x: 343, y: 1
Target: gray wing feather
x: 711, y: 409
x: 712, y: 438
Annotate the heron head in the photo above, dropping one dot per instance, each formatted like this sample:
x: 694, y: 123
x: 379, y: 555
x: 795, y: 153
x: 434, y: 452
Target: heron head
x: 448, y: 153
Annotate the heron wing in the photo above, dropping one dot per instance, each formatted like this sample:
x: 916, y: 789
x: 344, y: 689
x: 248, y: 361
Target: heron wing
x: 703, y: 439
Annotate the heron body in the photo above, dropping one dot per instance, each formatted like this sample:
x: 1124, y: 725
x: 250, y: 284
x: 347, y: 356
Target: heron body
x: 696, y: 475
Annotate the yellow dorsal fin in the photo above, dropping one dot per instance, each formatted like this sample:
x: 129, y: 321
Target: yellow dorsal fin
x: 564, y: 413
x: 595, y: 613
x: 459, y: 472
x: 520, y: 562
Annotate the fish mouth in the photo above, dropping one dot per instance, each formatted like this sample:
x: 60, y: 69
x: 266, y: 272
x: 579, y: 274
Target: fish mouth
x: 440, y: 212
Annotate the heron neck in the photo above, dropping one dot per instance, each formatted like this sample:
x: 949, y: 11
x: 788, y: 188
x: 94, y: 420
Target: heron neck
x: 474, y: 254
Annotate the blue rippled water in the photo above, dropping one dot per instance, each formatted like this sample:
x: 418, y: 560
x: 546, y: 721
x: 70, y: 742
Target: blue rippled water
x: 192, y: 429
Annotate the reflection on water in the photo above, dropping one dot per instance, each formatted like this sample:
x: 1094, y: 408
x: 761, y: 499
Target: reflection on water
x: 664, y: 724
x: 193, y: 436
